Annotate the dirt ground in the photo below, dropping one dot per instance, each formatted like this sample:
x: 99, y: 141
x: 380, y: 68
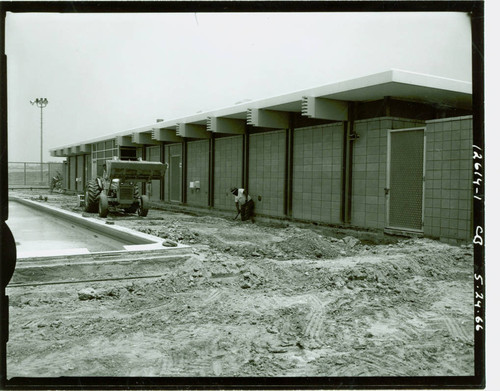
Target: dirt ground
x: 264, y: 299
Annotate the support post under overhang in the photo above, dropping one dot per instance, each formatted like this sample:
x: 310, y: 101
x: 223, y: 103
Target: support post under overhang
x: 226, y: 125
x: 184, y: 171
x: 167, y: 135
x: 268, y: 118
x: 323, y: 108
x: 211, y: 170
x: 349, y: 139
x: 192, y: 131
x: 162, y: 180
x: 288, y: 189
x: 246, y: 160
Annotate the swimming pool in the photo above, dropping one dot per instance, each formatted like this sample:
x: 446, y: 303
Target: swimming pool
x: 42, y: 230
x: 37, y: 232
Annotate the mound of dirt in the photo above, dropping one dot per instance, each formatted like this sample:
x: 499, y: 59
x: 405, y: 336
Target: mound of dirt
x: 299, y: 243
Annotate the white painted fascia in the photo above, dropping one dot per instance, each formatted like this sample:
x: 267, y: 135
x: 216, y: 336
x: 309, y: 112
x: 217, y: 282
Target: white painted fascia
x: 295, y: 98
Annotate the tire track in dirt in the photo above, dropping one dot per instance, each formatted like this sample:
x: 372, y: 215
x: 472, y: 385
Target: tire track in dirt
x: 187, y: 367
x: 184, y: 362
x: 405, y: 357
x: 409, y: 334
x: 212, y: 296
x: 169, y: 366
x: 315, y: 320
x: 381, y: 364
x: 456, y: 330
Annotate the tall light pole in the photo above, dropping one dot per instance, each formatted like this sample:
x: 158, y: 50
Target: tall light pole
x: 41, y: 102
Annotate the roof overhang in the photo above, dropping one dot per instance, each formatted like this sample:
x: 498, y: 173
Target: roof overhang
x: 405, y: 86
x: 396, y: 84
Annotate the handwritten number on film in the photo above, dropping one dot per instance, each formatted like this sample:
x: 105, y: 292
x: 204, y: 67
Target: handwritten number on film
x: 479, y: 297
x: 478, y: 237
x: 477, y: 171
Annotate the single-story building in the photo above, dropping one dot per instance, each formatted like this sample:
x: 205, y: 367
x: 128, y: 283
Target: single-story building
x: 390, y: 151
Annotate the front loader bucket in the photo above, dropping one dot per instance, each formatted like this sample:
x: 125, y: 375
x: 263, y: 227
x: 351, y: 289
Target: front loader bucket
x: 135, y: 171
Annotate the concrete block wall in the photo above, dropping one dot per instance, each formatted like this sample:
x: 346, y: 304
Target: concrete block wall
x: 267, y: 172
x: 170, y: 149
x: 80, y: 168
x: 65, y: 174
x: 153, y: 155
x: 370, y: 169
x: 88, y: 175
x: 448, y: 185
x: 197, y: 170
x: 228, y: 168
x: 317, y: 173
x: 72, y: 173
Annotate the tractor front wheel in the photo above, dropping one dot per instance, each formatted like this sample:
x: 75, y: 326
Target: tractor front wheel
x: 144, y: 206
x: 103, y: 205
x: 92, y: 196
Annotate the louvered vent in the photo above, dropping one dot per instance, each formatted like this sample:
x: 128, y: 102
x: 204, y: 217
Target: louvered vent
x: 210, y: 124
x: 178, y: 130
x: 250, y: 117
x: 306, y: 106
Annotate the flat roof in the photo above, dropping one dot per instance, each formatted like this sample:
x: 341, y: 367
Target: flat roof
x: 394, y: 83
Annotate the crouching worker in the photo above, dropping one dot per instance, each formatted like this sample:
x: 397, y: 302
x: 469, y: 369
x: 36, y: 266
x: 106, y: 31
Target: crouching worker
x: 244, y: 204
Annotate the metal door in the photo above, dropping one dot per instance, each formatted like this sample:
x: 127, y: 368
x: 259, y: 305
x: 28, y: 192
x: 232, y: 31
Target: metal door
x: 405, y: 179
x: 175, y: 178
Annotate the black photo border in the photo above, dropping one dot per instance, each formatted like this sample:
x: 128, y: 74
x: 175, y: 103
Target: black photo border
x: 475, y: 9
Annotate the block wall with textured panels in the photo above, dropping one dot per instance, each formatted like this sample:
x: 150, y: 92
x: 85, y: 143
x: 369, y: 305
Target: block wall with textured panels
x: 153, y: 155
x: 197, y: 170
x: 80, y: 168
x: 170, y: 149
x: 370, y: 169
x: 267, y: 172
x: 72, y: 172
x: 317, y: 173
x: 448, y: 184
x: 228, y: 168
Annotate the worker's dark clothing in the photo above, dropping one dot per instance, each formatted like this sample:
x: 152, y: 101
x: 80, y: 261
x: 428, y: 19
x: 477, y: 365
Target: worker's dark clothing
x: 244, y: 204
x: 247, y: 210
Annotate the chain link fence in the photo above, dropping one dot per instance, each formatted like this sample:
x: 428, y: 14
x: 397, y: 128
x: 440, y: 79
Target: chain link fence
x: 26, y: 174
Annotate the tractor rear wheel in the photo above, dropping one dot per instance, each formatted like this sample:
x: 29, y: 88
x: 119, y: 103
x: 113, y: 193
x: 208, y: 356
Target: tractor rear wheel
x: 144, y: 206
x: 92, y: 196
x: 103, y: 205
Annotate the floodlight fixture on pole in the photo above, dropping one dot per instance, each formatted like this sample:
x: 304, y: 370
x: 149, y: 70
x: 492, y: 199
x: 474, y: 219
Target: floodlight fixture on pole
x: 41, y: 102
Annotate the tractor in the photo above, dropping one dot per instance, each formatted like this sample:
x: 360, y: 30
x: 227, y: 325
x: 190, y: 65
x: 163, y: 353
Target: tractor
x: 117, y: 188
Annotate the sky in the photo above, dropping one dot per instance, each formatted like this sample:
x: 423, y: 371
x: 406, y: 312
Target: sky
x: 106, y: 73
